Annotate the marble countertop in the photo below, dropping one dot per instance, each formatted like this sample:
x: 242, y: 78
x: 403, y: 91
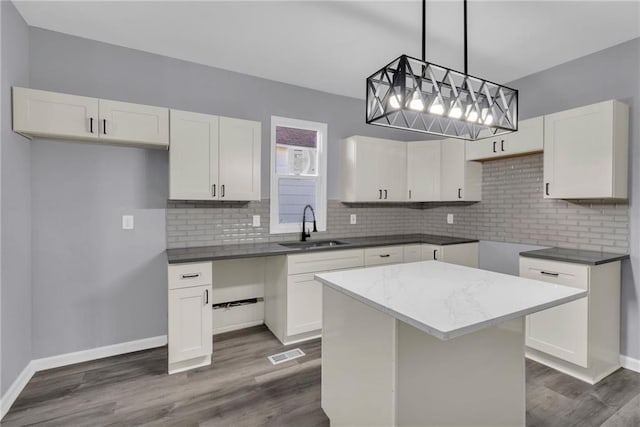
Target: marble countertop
x: 447, y: 300
x: 575, y: 255
x: 213, y: 253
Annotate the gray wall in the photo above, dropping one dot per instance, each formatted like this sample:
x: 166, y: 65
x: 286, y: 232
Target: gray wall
x: 93, y: 283
x: 15, y: 183
x: 608, y: 74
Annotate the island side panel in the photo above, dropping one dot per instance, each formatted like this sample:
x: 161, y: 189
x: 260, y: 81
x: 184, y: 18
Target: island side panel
x: 358, y: 362
x: 476, y: 379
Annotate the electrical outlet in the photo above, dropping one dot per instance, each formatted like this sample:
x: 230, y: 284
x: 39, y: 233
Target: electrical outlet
x: 449, y: 218
x: 352, y: 219
x: 256, y: 220
x: 127, y: 222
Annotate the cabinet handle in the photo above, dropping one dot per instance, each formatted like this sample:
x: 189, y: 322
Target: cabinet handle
x: 409, y: 194
x: 459, y: 193
x: 213, y: 190
x: 385, y: 255
x: 380, y: 194
x: 546, y: 273
x: 104, y: 126
x: 494, y: 146
x: 435, y: 254
x: 385, y: 194
x: 206, y: 296
x: 190, y: 275
x: 91, y: 124
x: 502, y: 145
x: 546, y: 189
x: 222, y: 190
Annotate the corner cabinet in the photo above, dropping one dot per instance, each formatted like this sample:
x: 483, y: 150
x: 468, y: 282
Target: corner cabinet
x: 43, y: 114
x: 213, y: 158
x: 586, y: 152
x: 373, y: 170
x: 528, y: 139
x: 460, y: 254
x: 190, y: 316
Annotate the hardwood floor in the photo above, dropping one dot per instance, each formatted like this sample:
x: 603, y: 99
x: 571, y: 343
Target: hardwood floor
x: 242, y: 388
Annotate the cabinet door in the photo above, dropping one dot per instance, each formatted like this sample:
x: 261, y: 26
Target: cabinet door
x: 56, y: 115
x: 431, y: 252
x: 193, y: 157
x: 560, y: 331
x: 412, y: 253
x: 578, y: 152
x: 383, y: 255
x: 239, y: 163
x: 304, y: 304
x: 392, y: 167
x: 368, y: 173
x: 462, y: 254
x: 134, y: 124
x: 482, y: 149
x: 453, y: 170
x: 423, y: 171
x: 528, y: 139
x: 190, y: 328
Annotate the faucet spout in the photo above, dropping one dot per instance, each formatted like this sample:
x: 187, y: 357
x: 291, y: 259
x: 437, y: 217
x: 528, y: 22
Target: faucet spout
x: 306, y: 234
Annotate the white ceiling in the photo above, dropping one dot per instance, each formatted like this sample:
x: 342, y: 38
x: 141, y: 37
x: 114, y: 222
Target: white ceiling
x: 333, y: 45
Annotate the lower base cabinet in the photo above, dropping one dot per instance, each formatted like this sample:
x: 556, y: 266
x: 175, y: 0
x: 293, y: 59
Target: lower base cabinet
x: 460, y: 254
x: 304, y: 304
x: 190, y: 316
x: 580, y: 338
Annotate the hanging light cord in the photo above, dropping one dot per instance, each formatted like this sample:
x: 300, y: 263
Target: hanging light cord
x: 424, y: 34
x: 466, y: 59
x: 424, y: 29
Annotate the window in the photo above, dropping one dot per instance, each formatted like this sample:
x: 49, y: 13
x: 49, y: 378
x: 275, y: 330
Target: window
x: 298, y: 173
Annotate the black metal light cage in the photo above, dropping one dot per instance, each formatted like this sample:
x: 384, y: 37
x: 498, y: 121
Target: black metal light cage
x: 416, y: 95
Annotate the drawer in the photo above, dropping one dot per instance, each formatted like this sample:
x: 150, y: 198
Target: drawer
x: 324, y: 261
x: 560, y: 273
x: 189, y: 274
x: 412, y: 253
x: 383, y: 255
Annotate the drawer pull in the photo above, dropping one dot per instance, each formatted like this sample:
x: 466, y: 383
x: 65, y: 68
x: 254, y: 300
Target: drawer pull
x: 546, y: 273
x: 206, y: 296
x: 191, y: 276
x: 385, y: 255
x: 435, y: 254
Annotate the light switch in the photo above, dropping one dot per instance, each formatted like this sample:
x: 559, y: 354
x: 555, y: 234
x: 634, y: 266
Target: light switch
x: 449, y: 218
x: 352, y: 219
x: 256, y: 220
x: 127, y: 222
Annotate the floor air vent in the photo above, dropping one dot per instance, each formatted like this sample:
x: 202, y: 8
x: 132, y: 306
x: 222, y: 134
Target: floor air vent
x: 285, y: 356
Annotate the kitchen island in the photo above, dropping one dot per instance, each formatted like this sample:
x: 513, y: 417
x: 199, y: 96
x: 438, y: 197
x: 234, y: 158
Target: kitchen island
x: 428, y: 343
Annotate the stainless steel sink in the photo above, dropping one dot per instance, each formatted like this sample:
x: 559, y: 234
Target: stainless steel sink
x: 314, y: 244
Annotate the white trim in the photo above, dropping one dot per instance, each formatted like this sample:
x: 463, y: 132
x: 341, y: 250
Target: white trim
x: 15, y: 389
x: 71, y: 358
x: 321, y: 187
x: 630, y: 363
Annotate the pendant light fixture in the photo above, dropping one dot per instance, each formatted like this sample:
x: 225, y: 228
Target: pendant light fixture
x: 416, y: 95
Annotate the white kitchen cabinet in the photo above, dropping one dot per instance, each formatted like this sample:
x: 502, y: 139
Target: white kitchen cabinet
x: 189, y: 316
x: 123, y: 122
x: 528, y: 139
x: 373, y: 170
x: 580, y: 338
x: 46, y: 114
x: 460, y: 180
x: 586, y: 152
x: 304, y: 304
x: 412, y: 253
x: 213, y: 158
x: 383, y: 255
x: 423, y: 171
x: 39, y: 113
x: 461, y: 254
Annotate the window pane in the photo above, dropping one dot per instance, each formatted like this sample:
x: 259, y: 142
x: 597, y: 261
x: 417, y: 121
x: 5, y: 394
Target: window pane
x: 296, y: 151
x: 293, y: 196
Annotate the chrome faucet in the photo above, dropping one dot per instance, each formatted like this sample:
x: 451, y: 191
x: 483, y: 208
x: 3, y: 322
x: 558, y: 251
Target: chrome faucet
x: 306, y: 234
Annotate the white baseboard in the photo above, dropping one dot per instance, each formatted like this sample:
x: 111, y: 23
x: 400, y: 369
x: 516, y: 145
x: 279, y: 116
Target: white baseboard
x: 630, y: 363
x: 15, y: 389
x: 71, y: 358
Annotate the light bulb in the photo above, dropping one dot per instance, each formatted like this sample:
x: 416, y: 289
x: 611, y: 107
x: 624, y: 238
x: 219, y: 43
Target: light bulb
x: 455, y: 112
x: 394, y: 101
x: 436, y: 108
x: 487, y: 118
x: 416, y: 102
x: 471, y: 115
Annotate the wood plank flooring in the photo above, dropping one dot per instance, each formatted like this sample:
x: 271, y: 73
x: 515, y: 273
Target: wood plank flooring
x: 242, y: 388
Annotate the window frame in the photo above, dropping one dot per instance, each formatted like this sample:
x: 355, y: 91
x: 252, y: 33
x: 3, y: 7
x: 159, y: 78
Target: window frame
x: 321, y: 179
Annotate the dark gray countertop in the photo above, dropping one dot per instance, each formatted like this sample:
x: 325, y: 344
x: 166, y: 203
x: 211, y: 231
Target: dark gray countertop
x: 574, y: 255
x: 214, y: 253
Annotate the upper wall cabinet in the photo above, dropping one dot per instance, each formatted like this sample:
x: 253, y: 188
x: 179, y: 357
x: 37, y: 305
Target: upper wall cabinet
x: 373, y: 170
x: 586, y: 152
x: 528, y: 139
x: 213, y: 158
x: 44, y: 114
x: 460, y: 180
x: 423, y: 171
